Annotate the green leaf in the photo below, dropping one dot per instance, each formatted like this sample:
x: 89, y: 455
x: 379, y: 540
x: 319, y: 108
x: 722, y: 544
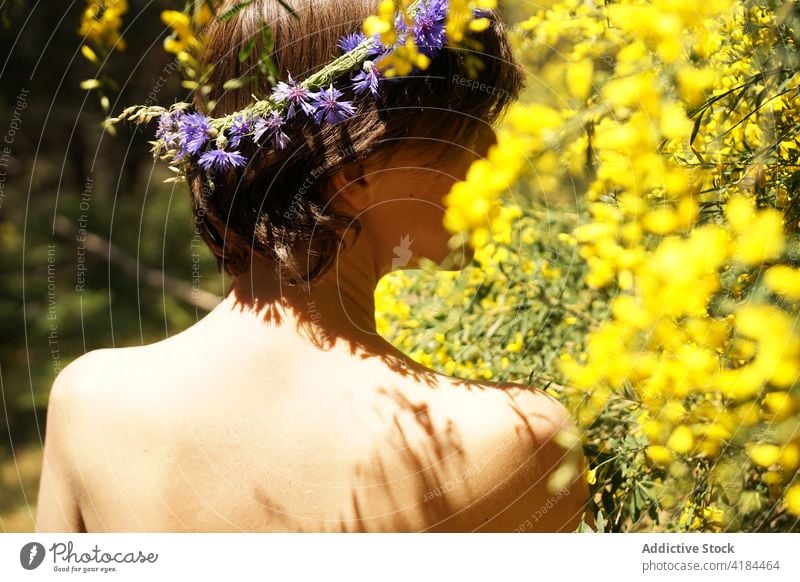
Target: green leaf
x: 696, y: 126
x: 232, y: 11
x: 600, y: 522
x: 245, y: 51
x: 288, y: 8
x: 268, y: 39
x: 236, y: 82
x: 267, y: 65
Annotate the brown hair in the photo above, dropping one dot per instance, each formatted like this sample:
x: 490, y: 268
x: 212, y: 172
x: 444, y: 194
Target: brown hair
x: 273, y: 207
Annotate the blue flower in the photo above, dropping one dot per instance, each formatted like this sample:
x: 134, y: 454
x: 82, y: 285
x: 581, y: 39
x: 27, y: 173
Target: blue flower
x: 167, y: 131
x: 368, y: 79
x: 351, y: 41
x: 328, y: 107
x: 401, y: 29
x: 377, y: 48
x: 295, y: 95
x: 429, y: 26
x: 220, y: 160
x: 272, y: 125
x: 194, y: 129
x: 239, y: 129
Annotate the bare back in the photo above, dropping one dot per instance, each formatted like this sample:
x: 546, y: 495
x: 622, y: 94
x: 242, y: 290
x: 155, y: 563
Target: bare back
x: 215, y: 430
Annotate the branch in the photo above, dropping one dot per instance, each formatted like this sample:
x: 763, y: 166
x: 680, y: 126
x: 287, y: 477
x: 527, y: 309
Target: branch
x: 114, y: 255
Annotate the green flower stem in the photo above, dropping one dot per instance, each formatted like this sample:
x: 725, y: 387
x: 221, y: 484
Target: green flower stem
x: 342, y: 64
x: 321, y: 78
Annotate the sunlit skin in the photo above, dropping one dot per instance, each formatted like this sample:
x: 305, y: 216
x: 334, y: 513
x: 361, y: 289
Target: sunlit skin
x: 284, y: 410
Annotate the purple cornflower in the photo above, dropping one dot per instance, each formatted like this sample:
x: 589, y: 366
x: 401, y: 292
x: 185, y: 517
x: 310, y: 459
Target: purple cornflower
x: 351, y: 41
x: 429, y: 26
x: 167, y: 131
x: 401, y: 29
x: 239, y: 129
x: 272, y: 125
x: 221, y: 160
x: 368, y: 79
x: 295, y: 95
x: 194, y: 128
x: 377, y: 48
x: 328, y: 107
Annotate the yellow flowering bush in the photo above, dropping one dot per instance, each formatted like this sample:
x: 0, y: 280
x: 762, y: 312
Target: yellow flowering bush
x: 636, y: 253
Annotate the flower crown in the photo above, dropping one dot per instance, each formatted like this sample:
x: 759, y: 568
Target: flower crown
x: 190, y: 139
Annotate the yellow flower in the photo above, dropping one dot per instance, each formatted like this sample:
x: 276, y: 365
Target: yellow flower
x: 659, y: 454
x: 101, y: 21
x: 549, y: 272
x: 579, y: 78
x: 790, y: 456
x: 764, y: 455
x: 783, y: 280
x: 183, y: 34
x: 781, y: 404
x: 403, y: 60
x: 460, y: 17
x: 661, y: 220
x: 179, y: 22
x: 681, y: 440
x: 472, y: 204
x: 763, y: 240
x: 674, y: 122
x: 713, y: 515
x: 693, y: 83
x: 515, y: 345
x: 382, y: 24
x: 629, y: 310
x: 792, y: 498
x: 639, y: 90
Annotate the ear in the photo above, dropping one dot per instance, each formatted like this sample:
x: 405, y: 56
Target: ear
x: 349, y: 190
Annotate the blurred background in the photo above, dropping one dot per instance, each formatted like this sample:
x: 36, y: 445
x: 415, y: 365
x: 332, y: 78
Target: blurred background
x: 135, y: 276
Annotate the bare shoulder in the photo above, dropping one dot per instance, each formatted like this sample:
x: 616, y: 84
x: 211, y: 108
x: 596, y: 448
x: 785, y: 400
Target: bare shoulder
x: 95, y: 380
x: 79, y: 388
x: 105, y: 387
x: 61, y: 485
x: 102, y: 414
x: 86, y: 370
x: 520, y: 465
x: 550, y: 491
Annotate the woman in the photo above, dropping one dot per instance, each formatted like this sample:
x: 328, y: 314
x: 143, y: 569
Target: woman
x: 283, y: 409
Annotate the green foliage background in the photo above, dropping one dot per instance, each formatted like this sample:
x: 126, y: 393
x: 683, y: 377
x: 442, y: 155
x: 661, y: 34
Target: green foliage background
x: 58, y: 146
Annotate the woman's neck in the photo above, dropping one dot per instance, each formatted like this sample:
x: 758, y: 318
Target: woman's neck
x: 339, y: 307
